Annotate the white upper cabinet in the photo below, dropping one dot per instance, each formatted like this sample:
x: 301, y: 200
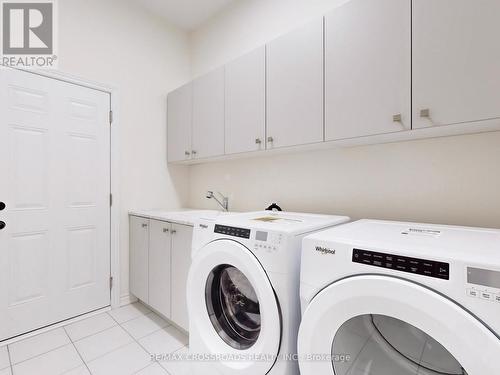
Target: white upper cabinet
x: 208, y: 115
x: 295, y: 87
x: 367, y: 68
x: 179, y: 123
x: 246, y: 103
x: 456, y: 61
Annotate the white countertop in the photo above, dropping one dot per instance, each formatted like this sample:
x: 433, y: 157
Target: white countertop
x: 185, y: 216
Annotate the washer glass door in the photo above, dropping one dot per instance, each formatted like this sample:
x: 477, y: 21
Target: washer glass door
x: 382, y: 345
x: 233, y: 306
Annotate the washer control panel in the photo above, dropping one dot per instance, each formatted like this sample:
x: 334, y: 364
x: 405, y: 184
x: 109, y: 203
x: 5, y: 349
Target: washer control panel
x: 232, y: 231
x: 485, y: 284
x: 267, y: 241
x: 417, y: 266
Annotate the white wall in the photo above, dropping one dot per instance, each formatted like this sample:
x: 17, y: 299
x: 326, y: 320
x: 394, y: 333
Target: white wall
x: 117, y: 43
x: 452, y: 180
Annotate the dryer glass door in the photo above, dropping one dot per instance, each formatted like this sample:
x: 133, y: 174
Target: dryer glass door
x: 233, y: 306
x: 382, y: 345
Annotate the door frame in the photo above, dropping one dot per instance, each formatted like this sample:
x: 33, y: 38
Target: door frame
x: 115, y: 298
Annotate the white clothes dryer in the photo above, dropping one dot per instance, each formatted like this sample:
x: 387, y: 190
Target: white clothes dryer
x: 391, y: 298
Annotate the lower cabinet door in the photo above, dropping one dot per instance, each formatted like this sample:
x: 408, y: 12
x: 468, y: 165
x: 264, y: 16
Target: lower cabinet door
x: 139, y: 248
x: 181, y: 261
x: 160, y: 251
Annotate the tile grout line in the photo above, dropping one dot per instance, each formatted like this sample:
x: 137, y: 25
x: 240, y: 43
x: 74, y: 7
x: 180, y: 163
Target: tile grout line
x: 138, y: 343
x: 102, y: 355
x: 12, y: 365
x: 147, y: 351
x: 77, y: 352
x: 84, y: 337
x: 38, y: 355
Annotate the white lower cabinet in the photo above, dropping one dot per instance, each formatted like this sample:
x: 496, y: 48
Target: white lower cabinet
x: 160, y: 257
x: 139, y: 249
x: 181, y: 262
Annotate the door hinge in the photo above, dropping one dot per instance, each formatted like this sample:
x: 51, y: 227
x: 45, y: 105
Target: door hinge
x: 110, y: 200
x: 110, y: 117
x: 111, y: 283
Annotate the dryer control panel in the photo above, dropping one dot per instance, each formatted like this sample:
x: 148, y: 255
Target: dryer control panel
x: 417, y: 266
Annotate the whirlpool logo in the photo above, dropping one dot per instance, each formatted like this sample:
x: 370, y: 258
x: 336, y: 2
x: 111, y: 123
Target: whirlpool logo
x: 325, y: 250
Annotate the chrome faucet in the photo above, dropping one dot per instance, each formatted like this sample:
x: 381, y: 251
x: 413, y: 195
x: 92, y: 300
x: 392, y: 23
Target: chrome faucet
x: 225, y: 200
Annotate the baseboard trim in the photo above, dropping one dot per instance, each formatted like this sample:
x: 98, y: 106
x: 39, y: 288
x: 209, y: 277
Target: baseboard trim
x: 127, y: 299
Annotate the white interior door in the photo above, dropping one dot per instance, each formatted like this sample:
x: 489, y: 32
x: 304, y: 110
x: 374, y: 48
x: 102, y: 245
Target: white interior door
x: 55, y: 183
x: 367, y: 69
x: 456, y: 55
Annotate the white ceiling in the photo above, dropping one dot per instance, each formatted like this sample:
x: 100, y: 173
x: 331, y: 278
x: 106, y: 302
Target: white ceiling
x: 186, y: 14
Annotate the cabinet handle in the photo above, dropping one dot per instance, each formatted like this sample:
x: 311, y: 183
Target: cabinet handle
x: 270, y: 139
x: 397, y: 118
x: 173, y: 231
x: 144, y: 225
x: 187, y: 153
x: 194, y: 152
x: 425, y: 113
x: 258, y: 141
x: 165, y: 230
x: 2, y: 206
x: 2, y: 225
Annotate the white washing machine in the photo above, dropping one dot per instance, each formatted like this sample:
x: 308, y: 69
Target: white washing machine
x: 243, y: 292
x: 389, y: 298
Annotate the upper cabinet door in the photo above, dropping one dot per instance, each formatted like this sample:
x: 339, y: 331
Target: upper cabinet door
x: 180, y: 110
x: 295, y: 87
x: 208, y: 115
x: 456, y: 60
x: 367, y: 68
x: 246, y: 103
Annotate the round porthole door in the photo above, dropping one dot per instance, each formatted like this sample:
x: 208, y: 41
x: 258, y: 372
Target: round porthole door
x: 233, y: 306
x: 381, y: 325
x: 233, y: 309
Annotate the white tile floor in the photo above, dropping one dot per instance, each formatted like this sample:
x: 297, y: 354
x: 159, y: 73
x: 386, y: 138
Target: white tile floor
x: 119, y: 342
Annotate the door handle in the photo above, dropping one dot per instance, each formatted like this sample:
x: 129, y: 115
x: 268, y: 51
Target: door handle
x: 2, y: 225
